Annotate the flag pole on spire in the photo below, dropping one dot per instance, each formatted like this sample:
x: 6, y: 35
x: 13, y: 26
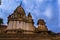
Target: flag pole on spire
x: 20, y: 2
x: 0, y: 2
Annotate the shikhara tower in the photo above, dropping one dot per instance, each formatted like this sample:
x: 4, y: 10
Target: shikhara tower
x: 18, y: 20
x: 21, y: 27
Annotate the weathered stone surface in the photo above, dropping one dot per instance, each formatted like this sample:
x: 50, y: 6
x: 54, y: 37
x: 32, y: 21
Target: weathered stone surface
x: 21, y: 27
x: 19, y: 20
x: 27, y: 37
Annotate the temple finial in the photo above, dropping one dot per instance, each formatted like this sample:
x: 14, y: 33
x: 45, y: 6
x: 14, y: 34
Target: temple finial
x: 0, y: 2
x: 29, y: 15
x: 21, y: 3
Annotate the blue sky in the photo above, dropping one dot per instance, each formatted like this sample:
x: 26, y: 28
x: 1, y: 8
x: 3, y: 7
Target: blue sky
x: 49, y: 10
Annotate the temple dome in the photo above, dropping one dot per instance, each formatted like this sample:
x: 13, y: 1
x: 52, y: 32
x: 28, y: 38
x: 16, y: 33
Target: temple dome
x: 42, y: 25
x: 41, y: 21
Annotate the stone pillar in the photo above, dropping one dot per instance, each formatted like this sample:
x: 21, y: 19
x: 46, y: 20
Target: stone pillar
x: 10, y: 25
x: 22, y: 25
x: 14, y: 24
x: 18, y: 25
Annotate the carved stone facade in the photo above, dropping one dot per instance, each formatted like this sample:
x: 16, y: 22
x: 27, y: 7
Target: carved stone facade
x: 19, y: 20
x: 21, y: 27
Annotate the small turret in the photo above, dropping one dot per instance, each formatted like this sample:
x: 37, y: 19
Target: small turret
x: 41, y: 22
x: 41, y: 25
x: 29, y: 26
x: 29, y: 17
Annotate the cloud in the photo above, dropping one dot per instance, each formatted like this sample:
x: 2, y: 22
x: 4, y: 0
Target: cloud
x: 6, y: 8
x: 59, y: 11
x: 59, y: 2
x: 48, y: 12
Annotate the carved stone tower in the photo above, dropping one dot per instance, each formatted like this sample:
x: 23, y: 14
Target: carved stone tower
x: 29, y: 22
x: 19, y: 20
x: 41, y: 25
x: 16, y: 19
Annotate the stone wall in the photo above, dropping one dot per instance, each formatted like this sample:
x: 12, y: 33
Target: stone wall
x: 20, y: 25
x: 27, y: 37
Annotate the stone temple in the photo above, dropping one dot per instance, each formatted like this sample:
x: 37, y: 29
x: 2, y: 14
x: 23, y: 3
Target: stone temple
x: 21, y: 27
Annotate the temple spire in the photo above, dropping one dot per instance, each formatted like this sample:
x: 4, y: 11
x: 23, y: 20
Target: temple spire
x: 0, y: 2
x: 21, y: 3
x: 20, y: 9
x: 29, y: 15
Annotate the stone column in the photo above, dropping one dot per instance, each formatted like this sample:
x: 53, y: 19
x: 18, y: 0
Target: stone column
x: 10, y: 25
x: 14, y: 24
x: 17, y: 27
